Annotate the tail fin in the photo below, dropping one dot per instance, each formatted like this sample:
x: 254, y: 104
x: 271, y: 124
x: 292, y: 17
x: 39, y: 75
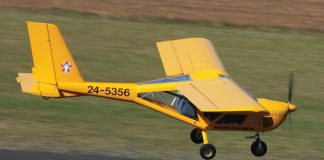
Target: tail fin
x: 53, y: 62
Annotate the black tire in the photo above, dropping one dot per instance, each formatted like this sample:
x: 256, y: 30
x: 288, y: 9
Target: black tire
x: 259, y: 148
x: 207, y: 151
x: 196, y: 136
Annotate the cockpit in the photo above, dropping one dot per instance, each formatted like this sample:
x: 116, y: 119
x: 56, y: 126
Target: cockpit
x: 171, y: 98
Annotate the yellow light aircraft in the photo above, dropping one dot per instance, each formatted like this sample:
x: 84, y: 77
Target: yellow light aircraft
x: 197, y: 90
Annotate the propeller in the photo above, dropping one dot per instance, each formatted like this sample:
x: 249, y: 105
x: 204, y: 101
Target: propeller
x: 290, y: 107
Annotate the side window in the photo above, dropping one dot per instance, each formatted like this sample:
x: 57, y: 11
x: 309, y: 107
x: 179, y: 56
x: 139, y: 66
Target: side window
x: 267, y: 122
x: 232, y: 119
x: 211, y: 115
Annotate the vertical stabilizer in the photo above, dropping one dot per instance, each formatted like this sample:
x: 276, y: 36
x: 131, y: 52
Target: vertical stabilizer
x: 53, y: 62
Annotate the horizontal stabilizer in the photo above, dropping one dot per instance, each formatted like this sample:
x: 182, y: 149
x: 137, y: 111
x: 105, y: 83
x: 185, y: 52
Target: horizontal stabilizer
x: 28, y: 83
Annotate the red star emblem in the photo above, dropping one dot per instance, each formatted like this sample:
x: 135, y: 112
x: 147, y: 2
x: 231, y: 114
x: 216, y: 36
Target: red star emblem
x: 66, y: 67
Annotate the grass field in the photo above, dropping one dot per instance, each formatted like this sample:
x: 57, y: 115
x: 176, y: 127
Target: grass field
x: 123, y: 50
x: 292, y: 14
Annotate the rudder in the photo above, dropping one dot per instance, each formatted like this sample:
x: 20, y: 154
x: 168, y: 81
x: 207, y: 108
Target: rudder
x: 65, y: 67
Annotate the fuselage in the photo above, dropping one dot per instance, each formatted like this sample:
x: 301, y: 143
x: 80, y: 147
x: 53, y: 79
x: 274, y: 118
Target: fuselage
x: 225, y: 121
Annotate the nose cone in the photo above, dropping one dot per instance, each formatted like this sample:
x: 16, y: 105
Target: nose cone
x: 291, y: 107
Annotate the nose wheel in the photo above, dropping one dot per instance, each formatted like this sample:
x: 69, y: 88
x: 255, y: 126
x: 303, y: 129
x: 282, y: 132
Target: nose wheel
x: 258, y: 147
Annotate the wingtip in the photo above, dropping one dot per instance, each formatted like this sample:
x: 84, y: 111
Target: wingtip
x: 18, y: 79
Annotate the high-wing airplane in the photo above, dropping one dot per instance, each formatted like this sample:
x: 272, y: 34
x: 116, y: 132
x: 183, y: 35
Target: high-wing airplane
x: 197, y: 89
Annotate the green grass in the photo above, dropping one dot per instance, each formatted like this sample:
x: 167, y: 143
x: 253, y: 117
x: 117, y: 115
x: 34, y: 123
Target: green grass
x: 123, y: 50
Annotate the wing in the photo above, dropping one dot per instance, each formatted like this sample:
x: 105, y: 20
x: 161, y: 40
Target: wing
x: 187, y: 56
x: 219, y: 95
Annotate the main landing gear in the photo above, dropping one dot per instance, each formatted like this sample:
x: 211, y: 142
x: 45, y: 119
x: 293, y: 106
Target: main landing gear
x: 258, y: 147
x: 196, y: 136
x: 207, y: 151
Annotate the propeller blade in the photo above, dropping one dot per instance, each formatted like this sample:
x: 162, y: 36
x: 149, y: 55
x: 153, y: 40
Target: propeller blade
x: 289, y: 124
x: 291, y: 85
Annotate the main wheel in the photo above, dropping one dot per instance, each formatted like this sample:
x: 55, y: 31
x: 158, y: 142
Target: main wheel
x: 259, y: 148
x: 196, y: 136
x: 207, y: 151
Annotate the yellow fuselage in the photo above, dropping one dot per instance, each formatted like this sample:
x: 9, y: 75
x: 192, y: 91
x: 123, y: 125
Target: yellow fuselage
x: 243, y: 121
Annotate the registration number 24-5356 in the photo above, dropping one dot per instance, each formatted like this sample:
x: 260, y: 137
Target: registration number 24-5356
x: 109, y: 91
